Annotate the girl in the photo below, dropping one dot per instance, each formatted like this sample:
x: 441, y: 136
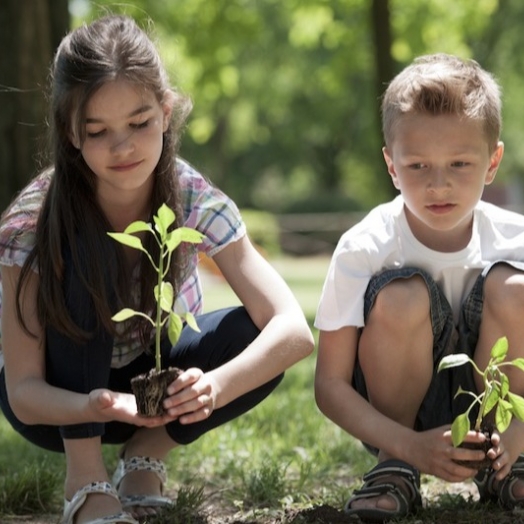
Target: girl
x: 65, y: 381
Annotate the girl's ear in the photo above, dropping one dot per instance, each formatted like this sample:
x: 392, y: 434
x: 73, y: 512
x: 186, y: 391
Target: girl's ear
x: 73, y: 137
x: 167, y: 107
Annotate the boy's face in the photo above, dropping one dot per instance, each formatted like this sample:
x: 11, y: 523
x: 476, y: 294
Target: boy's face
x: 441, y: 164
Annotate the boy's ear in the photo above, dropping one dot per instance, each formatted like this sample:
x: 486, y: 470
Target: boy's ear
x: 391, y: 167
x: 494, y: 163
x: 167, y: 107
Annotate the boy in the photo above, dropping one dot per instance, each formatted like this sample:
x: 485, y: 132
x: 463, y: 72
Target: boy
x: 432, y: 272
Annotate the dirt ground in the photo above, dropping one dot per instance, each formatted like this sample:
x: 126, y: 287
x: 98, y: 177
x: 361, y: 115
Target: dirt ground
x: 325, y: 514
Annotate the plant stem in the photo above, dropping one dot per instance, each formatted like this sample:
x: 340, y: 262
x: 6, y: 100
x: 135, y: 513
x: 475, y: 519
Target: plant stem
x: 158, y: 361
x: 485, y: 396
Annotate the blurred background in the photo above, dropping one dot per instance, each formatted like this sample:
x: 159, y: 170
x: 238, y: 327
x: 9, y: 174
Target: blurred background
x: 286, y: 95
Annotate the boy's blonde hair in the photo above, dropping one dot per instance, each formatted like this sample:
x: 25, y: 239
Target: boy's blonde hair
x: 442, y: 84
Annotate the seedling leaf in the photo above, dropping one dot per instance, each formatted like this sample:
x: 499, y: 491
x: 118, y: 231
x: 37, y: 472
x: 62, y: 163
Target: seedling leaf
x: 164, y: 218
x: 174, y: 327
x: 491, y: 401
x: 451, y: 361
x: 166, y: 296
x: 128, y: 240
x: 191, y: 322
x: 183, y: 234
x: 459, y: 429
x: 504, y: 385
x: 166, y: 215
x: 503, y: 415
x: 517, y: 405
x: 137, y: 227
x: 124, y: 314
x: 518, y: 363
x: 500, y: 349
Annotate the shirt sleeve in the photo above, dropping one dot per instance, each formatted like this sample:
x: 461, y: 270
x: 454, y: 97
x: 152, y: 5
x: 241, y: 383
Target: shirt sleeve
x: 18, y: 223
x: 210, y: 211
x: 342, y: 299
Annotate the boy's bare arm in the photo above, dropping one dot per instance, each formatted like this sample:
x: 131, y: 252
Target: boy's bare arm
x: 429, y: 451
x: 340, y: 402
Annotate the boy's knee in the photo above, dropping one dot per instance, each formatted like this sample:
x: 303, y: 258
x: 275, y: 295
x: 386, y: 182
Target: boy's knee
x: 504, y: 289
x: 404, y: 300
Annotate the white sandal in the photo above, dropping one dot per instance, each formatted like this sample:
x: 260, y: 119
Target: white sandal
x: 142, y: 464
x: 72, y: 506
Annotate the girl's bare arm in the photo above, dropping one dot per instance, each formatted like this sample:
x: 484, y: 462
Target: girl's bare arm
x: 285, y: 337
x: 31, y: 398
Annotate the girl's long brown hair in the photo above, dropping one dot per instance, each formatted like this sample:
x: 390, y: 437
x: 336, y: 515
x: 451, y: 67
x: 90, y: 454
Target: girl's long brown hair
x: 110, y: 48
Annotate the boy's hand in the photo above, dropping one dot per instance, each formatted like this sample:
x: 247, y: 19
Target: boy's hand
x: 506, y: 449
x: 435, y: 454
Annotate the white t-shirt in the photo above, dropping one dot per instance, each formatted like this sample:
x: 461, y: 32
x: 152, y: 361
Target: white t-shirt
x: 383, y: 240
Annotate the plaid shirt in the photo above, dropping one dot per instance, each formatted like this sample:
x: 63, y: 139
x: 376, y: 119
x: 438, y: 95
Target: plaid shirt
x: 205, y: 208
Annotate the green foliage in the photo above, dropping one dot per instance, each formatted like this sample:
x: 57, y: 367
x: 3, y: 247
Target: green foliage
x: 265, y: 485
x: 31, y: 489
x: 263, y: 230
x: 321, y: 202
x: 186, y: 508
x: 285, y: 103
x: 496, y: 394
x: 167, y: 240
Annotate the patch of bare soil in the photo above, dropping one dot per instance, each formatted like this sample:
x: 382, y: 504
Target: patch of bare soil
x: 30, y: 519
x: 461, y: 509
x: 323, y: 514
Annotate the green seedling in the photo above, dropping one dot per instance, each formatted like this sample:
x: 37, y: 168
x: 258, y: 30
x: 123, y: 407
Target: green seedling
x: 495, y: 396
x: 164, y: 294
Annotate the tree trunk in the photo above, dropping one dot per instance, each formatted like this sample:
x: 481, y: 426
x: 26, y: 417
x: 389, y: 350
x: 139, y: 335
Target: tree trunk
x: 385, y: 67
x: 30, y: 30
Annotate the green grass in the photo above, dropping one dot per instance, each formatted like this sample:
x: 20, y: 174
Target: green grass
x: 281, y: 458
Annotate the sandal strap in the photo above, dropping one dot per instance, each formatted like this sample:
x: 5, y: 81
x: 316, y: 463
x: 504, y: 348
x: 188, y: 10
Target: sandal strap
x: 72, y: 506
x: 407, y: 496
x: 377, y: 490
x: 139, y: 463
x: 396, y: 468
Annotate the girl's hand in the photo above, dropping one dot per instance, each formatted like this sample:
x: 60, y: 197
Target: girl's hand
x: 192, y: 396
x: 107, y: 406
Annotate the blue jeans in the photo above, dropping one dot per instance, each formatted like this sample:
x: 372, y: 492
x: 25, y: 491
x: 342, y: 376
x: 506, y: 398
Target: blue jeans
x: 439, y: 406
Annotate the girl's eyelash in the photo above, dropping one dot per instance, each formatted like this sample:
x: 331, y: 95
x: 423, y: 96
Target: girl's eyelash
x: 140, y: 125
x: 96, y: 135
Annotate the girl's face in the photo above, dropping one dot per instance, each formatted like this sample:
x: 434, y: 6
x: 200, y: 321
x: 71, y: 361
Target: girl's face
x: 441, y: 164
x: 123, y: 129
